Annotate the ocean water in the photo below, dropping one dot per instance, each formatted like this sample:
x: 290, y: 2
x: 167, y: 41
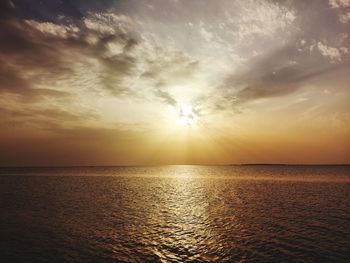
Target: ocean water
x: 175, y: 214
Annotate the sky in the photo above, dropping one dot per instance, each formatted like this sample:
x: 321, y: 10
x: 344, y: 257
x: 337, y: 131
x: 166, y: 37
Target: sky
x: 148, y: 82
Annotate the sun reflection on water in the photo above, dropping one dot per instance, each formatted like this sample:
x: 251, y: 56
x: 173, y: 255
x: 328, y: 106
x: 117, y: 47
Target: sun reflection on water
x: 182, y: 213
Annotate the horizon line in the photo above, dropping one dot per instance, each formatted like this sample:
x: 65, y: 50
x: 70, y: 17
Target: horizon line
x: 159, y: 165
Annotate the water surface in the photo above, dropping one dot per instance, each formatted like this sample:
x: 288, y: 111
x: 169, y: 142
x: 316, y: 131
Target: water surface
x: 175, y: 214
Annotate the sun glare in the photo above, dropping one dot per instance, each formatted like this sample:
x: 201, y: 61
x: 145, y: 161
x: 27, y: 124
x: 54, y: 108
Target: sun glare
x: 186, y: 115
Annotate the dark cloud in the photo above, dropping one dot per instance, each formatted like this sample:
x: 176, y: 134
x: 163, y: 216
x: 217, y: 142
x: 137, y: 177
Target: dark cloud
x: 51, y: 11
x: 165, y: 97
x: 26, y: 48
x: 116, y: 67
x: 276, y: 74
x: 47, y: 10
x: 7, y: 9
x: 12, y: 80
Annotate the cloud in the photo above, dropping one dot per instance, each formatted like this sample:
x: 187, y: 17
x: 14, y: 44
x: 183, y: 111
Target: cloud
x: 332, y: 53
x: 262, y: 18
x: 342, y: 9
x: 339, y: 3
x: 60, y: 31
x: 66, y: 68
x: 40, y: 53
x: 344, y: 18
x: 165, y: 97
x: 93, y: 72
x: 113, y: 53
x: 274, y: 75
x: 122, y: 56
x: 28, y: 59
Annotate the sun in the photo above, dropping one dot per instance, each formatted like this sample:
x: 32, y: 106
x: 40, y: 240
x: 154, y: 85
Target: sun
x: 186, y: 115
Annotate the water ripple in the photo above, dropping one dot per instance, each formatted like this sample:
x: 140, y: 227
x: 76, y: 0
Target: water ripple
x: 195, y: 215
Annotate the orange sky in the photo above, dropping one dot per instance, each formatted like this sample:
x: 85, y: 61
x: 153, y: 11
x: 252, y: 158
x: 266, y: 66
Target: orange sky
x: 174, y: 82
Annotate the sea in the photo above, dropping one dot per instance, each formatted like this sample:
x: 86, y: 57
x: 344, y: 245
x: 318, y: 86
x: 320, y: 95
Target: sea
x: 238, y: 213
